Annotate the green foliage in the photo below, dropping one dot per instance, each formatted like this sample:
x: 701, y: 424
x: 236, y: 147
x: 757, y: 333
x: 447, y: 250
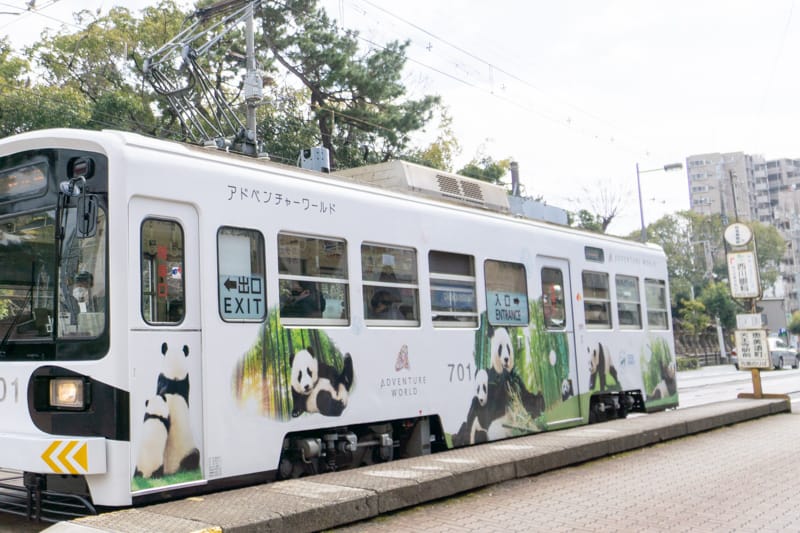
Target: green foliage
x: 696, y: 257
x: 486, y: 169
x: 770, y: 248
x: 694, y: 317
x: 355, y: 97
x: 659, y: 357
x: 262, y: 376
x: 716, y: 298
x: 794, y: 323
x: 441, y: 152
x: 587, y: 220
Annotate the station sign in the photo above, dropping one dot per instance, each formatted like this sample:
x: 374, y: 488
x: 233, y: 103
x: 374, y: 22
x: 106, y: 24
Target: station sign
x: 242, y: 297
x: 749, y: 321
x: 743, y: 275
x: 738, y: 234
x: 752, y: 349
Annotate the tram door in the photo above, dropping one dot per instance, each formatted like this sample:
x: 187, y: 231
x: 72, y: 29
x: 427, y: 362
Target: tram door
x: 164, y: 347
x: 556, y: 301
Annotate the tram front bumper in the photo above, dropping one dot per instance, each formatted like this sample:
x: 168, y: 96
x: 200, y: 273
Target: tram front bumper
x: 52, y: 454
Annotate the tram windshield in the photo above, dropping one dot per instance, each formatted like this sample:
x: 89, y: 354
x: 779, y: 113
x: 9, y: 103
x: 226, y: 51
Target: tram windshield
x: 40, y: 300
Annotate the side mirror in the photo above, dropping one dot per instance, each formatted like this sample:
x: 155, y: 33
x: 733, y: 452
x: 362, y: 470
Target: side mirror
x: 87, y: 216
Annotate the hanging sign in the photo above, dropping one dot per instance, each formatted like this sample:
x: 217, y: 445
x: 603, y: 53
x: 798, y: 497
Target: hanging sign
x: 743, y: 275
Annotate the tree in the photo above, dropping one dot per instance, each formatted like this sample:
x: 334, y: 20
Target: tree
x: 355, y: 98
x: 486, y: 169
x: 794, y: 323
x: 716, y: 297
x: 694, y: 318
x: 586, y: 220
x: 770, y: 248
x: 441, y: 152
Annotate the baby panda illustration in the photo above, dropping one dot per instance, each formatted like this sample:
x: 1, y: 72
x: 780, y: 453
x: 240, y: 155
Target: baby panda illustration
x: 150, y: 462
x: 474, y: 429
x: 566, y: 390
x: 503, y: 380
x: 173, y: 383
x: 317, y: 387
x: 667, y: 386
x: 600, y: 365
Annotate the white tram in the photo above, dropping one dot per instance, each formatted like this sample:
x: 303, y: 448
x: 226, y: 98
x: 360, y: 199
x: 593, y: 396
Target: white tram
x: 176, y: 319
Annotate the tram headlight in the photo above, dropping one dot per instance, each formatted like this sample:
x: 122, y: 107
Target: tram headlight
x: 67, y: 393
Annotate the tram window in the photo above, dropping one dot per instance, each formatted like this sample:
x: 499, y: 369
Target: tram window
x: 553, y: 305
x: 655, y: 292
x: 629, y: 305
x: 162, y: 272
x: 453, y: 302
x: 506, y: 293
x: 312, y: 278
x: 241, y: 274
x: 390, y: 285
x: 596, y: 300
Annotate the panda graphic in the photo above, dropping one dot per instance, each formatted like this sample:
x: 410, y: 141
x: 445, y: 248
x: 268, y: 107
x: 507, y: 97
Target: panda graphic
x: 502, y: 373
x: 667, y: 386
x: 487, y: 421
x: 150, y: 461
x: 318, y: 387
x: 180, y: 453
x: 600, y: 366
x: 475, y: 429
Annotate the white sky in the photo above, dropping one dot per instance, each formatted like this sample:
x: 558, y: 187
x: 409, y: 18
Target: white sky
x: 579, y: 91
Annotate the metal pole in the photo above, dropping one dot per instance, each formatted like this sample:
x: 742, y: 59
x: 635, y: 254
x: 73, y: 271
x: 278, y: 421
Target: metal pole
x: 641, y: 207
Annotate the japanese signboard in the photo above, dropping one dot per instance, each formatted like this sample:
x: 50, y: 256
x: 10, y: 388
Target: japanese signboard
x: 752, y: 348
x: 507, y: 308
x: 749, y: 321
x: 241, y: 297
x: 743, y: 275
x: 738, y: 234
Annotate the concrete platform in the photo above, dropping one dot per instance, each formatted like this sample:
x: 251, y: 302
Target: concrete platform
x: 335, y: 499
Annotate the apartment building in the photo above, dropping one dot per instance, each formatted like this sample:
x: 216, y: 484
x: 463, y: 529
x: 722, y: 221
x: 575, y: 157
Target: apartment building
x: 748, y: 187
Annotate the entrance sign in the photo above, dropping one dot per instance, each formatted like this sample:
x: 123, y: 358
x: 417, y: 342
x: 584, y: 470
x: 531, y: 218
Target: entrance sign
x: 743, y: 275
x: 752, y: 349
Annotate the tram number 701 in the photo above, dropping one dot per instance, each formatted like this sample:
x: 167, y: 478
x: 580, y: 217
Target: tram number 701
x: 9, y: 387
x: 460, y: 372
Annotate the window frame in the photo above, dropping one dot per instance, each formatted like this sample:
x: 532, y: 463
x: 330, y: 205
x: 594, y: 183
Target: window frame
x: 661, y: 286
x: 370, y: 288
x: 152, y: 269
x: 623, y: 301
x: 604, y: 302
x: 285, y: 280
x: 259, y: 258
x: 449, y: 283
x: 493, y: 295
x: 550, y: 323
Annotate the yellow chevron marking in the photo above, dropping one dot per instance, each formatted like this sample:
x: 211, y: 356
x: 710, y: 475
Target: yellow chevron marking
x: 81, y: 457
x: 46, y: 457
x: 64, y: 459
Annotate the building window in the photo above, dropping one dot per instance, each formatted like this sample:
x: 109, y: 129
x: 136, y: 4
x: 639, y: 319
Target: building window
x: 312, y: 277
x: 453, y: 302
x: 390, y: 285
